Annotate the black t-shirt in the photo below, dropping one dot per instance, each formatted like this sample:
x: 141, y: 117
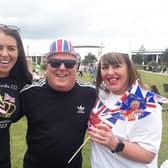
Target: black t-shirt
x: 57, y: 122
x: 9, y: 106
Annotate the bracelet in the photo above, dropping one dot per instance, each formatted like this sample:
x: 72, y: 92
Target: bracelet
x: 120, y: 146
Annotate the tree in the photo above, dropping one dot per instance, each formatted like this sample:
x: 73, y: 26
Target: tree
x: 89, y: 59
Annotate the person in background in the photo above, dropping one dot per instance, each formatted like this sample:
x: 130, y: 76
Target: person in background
x: 133, y: 141
x: 57, y: 109
x: 14, y: 75
x: 154, y: 89
x: 81, y: 69
x: 35, y: 75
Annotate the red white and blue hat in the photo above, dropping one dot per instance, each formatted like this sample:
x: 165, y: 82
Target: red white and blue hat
x: 61, y: 46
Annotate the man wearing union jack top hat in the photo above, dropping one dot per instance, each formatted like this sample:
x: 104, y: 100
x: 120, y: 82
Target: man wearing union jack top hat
x: 57, y: 109
x: 125, y: 124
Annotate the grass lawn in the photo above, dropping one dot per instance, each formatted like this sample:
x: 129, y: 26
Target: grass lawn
x: 18, y: 130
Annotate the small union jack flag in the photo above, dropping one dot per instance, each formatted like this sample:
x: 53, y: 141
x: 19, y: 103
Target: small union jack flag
x: 9, y: 98
x: 102, y: 110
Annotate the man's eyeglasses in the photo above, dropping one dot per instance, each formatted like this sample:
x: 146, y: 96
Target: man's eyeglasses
x: 56, y: 63
x: 11, y: 27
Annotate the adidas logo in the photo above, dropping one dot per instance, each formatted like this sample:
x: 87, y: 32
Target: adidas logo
x: 80, y: 109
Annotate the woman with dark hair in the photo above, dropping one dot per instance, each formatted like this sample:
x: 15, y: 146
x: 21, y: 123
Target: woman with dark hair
x: 154, y: 89
x: 14, y: 74
x: 124, y: 131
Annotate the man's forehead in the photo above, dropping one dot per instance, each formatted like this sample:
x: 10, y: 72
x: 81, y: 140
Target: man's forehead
x: 63, y: 56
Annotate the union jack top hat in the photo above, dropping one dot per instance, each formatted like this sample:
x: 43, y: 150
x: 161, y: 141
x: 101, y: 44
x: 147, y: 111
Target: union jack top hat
x: 61, y: 46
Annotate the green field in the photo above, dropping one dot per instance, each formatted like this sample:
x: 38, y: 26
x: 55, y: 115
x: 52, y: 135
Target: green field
x: 18, y: 130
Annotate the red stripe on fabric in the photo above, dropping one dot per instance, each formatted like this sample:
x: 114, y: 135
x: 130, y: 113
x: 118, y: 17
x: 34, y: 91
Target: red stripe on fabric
x: 115, y: 110
x: 151, y: 105
x: 100, y: 110
x: 124, y: 97
x: 59, y: 45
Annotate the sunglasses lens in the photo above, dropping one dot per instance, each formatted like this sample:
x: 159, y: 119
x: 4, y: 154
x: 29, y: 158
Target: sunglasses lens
x: 55, y: 63
x: 69, y: 63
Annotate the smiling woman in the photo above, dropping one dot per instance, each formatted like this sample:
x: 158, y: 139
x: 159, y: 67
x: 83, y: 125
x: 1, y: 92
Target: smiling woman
x: 9, y: 54
x: 123, y: 109
x: 14, y: 75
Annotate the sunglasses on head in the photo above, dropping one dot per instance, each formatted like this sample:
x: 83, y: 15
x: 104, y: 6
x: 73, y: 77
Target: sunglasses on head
x: 11, y: 27
x: 55, y: 63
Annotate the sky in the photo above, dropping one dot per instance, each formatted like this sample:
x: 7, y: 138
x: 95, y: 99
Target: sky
x: 117, y: 25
